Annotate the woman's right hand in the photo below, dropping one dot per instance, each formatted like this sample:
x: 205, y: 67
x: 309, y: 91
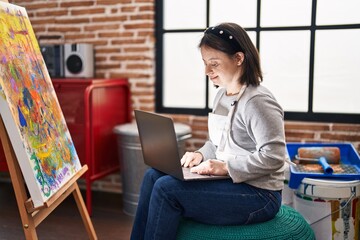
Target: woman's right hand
x: 191, y: 159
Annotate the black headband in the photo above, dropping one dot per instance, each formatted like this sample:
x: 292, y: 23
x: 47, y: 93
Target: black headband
x: 224, y: 35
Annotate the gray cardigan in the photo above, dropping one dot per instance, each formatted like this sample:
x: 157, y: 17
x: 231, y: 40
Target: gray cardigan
x: 258, y: 127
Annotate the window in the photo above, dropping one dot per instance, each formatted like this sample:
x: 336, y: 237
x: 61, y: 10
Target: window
x: 309, y: 53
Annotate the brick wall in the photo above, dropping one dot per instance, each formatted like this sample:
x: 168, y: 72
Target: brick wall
x: 122, y: 32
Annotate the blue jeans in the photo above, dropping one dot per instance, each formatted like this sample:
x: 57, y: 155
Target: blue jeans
x: 164, y: 200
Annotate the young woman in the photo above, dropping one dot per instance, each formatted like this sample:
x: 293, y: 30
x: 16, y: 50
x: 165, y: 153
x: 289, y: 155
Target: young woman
x: 246, y: 142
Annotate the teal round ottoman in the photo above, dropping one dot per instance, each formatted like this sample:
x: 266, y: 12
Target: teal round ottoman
x: 287, y: 224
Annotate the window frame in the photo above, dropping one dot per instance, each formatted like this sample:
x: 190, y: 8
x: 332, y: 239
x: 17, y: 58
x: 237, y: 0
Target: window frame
x: 308, y: 116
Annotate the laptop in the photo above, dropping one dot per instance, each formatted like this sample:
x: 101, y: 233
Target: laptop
x: 160, y: 146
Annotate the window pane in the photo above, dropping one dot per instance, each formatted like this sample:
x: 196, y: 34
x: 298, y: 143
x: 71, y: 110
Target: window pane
x: 252, y: 35
x: 183, y: 71
x: 285, y: 62
x: 285, y: 13
x: 337, y: 12
x: 242, y: 12
x: 184, y: 14
x: 336, y: 74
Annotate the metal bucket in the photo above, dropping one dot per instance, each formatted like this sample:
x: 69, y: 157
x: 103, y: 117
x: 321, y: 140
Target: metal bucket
x: 132, y: 165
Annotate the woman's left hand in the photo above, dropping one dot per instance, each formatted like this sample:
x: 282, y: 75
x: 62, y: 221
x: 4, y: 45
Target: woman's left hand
x: 211, y: 167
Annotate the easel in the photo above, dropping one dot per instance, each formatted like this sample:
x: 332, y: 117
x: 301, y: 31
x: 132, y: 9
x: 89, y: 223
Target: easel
x: 31, y: 217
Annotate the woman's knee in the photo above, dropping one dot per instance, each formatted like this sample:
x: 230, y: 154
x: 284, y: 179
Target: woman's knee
x: 166, y: 184
x: 152, y: 174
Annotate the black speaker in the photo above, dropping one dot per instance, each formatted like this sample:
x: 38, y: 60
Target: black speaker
x: 54, y: 59
x: 79, y: 60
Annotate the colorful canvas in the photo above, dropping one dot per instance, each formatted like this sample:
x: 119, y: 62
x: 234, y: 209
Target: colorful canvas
x: 30, y: 109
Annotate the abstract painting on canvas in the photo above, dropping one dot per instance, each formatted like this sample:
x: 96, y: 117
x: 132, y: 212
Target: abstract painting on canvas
x: 30, y: 109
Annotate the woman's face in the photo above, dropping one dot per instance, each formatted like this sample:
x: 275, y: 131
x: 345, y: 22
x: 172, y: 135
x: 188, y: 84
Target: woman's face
x: 223, y: 70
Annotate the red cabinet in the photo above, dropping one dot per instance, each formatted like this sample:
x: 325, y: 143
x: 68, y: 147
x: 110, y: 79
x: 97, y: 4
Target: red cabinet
x: 3, y: 166
x: 92, y: 108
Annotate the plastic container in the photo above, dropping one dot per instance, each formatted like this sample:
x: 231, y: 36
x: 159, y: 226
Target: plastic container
x: 132, y: 163
x: 331, y: 207
x: 349, y: 162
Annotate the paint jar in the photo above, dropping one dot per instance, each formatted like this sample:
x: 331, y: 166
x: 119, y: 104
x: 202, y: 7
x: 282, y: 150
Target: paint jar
x: 132, y: 166
x: 330, y: 207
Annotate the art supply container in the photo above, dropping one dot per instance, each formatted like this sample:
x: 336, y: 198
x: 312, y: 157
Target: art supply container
x: 347, y: 170
x: 330, y: 206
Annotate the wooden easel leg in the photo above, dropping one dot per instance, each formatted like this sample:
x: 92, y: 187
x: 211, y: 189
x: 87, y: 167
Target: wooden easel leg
x: 31, y: 219
x: 18, y: 184
x: 84, y: 213
x: 21, y: 197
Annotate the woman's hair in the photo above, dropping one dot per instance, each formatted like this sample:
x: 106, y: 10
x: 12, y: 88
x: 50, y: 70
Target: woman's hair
x: 230, y: 38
